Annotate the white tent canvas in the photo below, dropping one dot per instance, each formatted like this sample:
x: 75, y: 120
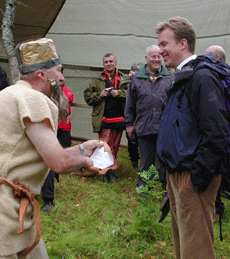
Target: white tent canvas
x: 85, y: 30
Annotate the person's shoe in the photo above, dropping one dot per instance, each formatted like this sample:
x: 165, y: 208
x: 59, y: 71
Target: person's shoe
x: 47, y: 206
x: 112, y: 176
x: 106, y: 177
x: 134, y: 164
x: 109, y: 177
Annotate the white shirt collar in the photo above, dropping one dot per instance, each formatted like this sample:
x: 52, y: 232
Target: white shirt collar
x: 186, y: 61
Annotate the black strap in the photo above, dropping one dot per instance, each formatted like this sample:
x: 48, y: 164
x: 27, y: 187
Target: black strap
x: 220, y: 223
x: 108, y: 83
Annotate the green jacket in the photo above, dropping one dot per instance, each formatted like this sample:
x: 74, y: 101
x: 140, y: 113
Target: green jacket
x: 92, y: 97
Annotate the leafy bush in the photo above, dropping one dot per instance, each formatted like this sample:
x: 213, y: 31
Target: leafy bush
x: 146, y: 222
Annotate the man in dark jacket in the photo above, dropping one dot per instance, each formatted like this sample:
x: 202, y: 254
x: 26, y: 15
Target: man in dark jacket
x: 4, y: 81
x: 133, y: 147
x: 218, y: 52
x: 145, y: 101
x: 192, y: 140
x: 220, y: 55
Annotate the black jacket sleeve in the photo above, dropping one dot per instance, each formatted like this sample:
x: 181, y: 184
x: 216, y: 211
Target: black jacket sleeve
x: 4, y: 81
x: 208, y: 105
x: 130, y: 106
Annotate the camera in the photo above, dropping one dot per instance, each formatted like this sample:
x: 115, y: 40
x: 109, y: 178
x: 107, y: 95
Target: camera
x: 109, y: 89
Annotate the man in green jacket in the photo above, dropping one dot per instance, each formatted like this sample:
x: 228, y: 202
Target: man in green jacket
x: 107, y: 95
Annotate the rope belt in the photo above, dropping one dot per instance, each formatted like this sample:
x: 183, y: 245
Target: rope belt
x: 21, y: 191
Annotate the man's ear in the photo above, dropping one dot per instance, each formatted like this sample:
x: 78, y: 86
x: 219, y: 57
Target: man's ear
x: 40, y: 74
x: 184, y: 44
x: 218, y: 57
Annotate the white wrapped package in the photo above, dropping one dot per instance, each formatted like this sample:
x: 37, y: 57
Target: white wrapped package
x: 102, y: 159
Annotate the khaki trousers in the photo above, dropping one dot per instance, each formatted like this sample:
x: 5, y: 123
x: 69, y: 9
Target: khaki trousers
x: 192, y: 216
x: 39, y: 252
x: 113, y: 138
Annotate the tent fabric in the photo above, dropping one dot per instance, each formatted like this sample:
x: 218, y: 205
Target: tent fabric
x: 85, y: 30
x: 33, y: 19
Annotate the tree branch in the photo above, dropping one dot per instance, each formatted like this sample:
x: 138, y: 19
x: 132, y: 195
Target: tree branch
x: 20, y: 3
x: 8, y: 40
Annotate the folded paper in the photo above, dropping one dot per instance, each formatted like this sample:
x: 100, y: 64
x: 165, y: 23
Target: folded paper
x: 102, y: 159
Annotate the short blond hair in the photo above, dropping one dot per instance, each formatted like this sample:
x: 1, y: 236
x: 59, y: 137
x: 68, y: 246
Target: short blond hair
x: 182, y: 28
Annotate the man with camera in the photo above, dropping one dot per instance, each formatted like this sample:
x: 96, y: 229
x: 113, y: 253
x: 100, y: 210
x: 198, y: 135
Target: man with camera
x: 107, y: 94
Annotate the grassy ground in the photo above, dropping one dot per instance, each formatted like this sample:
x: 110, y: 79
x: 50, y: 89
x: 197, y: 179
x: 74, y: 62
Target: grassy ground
x: 92, y: 219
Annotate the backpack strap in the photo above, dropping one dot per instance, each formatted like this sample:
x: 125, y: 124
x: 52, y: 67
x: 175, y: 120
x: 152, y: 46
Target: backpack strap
x: 185, y: 89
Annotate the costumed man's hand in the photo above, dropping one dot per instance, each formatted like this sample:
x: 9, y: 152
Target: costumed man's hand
x: 89, y: 147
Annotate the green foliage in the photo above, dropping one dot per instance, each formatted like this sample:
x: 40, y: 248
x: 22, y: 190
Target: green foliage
x: 146, y: 222
x: 92, y: 219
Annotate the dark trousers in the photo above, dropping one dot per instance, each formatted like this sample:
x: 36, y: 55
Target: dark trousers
x: 162, y: 173
x: 64, y: 138
x: 147, y: 147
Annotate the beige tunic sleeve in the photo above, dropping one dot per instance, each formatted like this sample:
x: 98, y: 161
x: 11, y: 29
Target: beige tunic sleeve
x: 37, y: 108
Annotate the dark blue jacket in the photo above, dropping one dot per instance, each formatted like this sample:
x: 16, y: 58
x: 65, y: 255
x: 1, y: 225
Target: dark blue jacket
x: 145, y: 100
x: 193, y: 134
x: 4, y: 82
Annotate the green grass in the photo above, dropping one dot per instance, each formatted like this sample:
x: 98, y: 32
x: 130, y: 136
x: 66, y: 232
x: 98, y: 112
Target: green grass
x: 92, y: 219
